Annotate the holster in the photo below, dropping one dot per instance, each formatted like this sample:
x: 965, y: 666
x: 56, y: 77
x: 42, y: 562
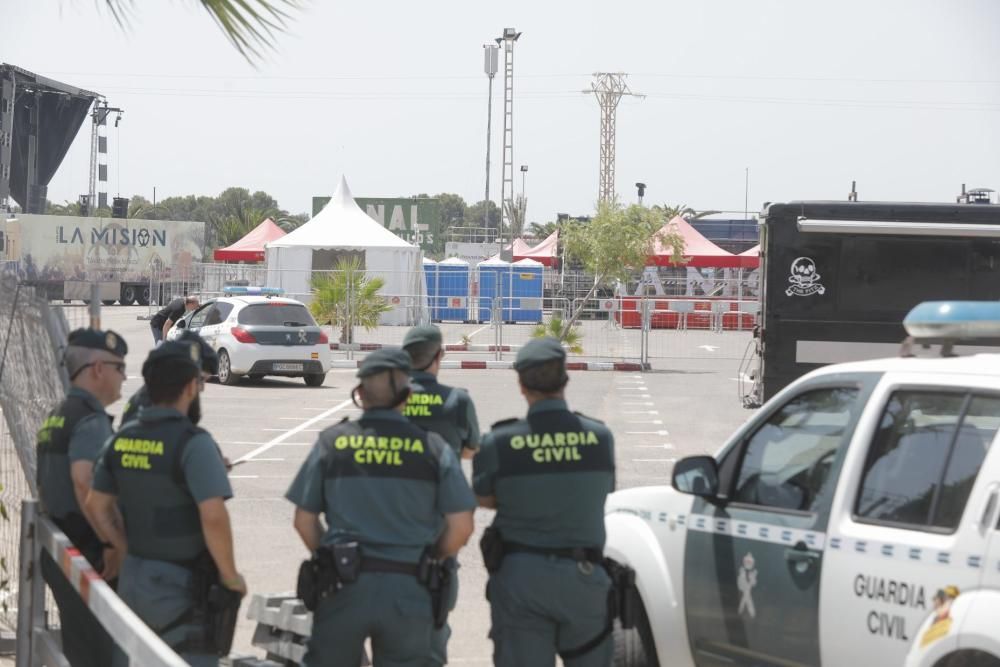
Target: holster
x: 491, y: 545
x: 624, y: 596
x: 326, y: 572
x: 216, y: 608
x: 438, y: 576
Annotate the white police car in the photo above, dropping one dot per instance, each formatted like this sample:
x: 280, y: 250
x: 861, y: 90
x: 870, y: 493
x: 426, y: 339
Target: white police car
x: 258, y: 333
x: 854, y: 520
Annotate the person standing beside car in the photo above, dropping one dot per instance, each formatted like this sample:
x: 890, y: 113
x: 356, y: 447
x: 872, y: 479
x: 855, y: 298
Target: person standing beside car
x: 167, y: 317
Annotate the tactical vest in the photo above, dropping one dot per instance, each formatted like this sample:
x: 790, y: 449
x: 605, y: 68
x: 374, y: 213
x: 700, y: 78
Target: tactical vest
x: 553, y: 442
x: 382, y: 449
x: 139, y: 400
x: 161, y: 516
x: 53, y: 450
x: 434, y: 407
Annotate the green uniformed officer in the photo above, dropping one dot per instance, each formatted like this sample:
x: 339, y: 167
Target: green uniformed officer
x: 209, y: 367
x: 171, y: 483
x: 547, y: 476
x: 69, y: 442
x: 447, y: 411
x: 396, y: 491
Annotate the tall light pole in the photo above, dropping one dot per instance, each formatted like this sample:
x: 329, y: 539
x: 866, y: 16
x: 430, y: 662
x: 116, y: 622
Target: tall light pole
x: 609, y: 88
x: 490, y: 62
x: 509, y: 36
x: 524, y: 174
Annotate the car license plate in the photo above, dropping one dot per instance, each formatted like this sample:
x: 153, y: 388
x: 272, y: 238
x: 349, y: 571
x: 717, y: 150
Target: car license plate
x: 288, y: 367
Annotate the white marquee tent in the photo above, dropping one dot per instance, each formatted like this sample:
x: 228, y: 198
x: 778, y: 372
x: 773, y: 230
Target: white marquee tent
x: 340, y: 229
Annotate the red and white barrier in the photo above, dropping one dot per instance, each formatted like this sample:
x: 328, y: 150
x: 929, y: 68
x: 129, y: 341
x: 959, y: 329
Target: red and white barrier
x: 509, y: 365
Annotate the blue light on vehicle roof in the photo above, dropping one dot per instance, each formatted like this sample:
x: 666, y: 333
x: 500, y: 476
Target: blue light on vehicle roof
x: 252, y: 291
x: 954, y: 319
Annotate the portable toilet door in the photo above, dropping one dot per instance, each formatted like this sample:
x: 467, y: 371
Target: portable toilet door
x: 526, y: 291
x: 453, y: 290
x: 494, y: 274
x: 431, y: 280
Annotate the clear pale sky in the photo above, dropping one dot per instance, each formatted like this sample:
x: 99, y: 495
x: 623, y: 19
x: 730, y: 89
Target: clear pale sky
x: 901, y: 95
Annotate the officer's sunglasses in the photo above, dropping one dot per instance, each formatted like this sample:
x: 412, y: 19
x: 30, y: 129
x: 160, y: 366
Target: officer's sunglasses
x: 117, y: 365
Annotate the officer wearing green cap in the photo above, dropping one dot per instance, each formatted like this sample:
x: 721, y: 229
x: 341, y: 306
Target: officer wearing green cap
x: 394, y: 499
x: 168, y: 476
x: 447, y: 411
x: 547, y: 476
x: 68, y: 443
x: 209, y: 367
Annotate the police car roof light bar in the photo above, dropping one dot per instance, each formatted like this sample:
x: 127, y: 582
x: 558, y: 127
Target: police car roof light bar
x: 952, y: 320
x: 252, y: 291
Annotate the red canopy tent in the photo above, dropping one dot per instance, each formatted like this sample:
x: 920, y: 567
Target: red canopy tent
x: 250, y: 248
x: 545, y: 252
x: 751, y: 257
x: 701, y: 252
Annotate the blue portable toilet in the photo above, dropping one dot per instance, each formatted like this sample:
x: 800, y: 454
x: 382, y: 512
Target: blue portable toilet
x: 526, y: 290
x: 494, y: 282
x: 430, y: 279
x: 453, y: 290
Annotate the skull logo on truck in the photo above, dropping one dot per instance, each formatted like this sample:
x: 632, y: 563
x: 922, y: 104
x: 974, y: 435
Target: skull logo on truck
x: 804, y: 278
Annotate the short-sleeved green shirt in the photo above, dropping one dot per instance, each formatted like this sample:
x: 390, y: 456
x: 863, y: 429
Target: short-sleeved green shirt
x: 383, y: 482
x: 447, y: 411
x: 550, y: 474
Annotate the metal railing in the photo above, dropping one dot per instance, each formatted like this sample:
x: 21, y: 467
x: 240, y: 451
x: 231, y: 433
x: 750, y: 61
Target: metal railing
x: 37, y: 643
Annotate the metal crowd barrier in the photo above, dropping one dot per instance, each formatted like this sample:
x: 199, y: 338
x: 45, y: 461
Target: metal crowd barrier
x: 283, y: 627
x: 37, y: 644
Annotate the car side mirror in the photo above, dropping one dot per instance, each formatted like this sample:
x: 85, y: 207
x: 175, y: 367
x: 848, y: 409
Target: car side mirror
x: 697, y: 475
x: 181, y: 324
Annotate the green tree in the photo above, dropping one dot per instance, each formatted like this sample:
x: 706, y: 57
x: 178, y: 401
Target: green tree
x: 249, y: 25
x: 670, y: 212
x: 516, y: 210
x: 475, y: 214
x: 541, y: 230
x: 616, y: 244
x: 570, y: 336
x: 347, y: 298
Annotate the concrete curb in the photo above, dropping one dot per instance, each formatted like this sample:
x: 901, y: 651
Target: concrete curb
x: 631, y: 366
x: 371, y: 347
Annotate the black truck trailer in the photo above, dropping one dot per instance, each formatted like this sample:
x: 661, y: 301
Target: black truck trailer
x: 838, y: 278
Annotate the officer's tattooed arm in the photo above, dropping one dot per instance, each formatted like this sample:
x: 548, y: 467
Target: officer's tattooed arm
x: 102, y: 510
x: 458, y: 528
x: 218, y: 534
x: 309, y: 528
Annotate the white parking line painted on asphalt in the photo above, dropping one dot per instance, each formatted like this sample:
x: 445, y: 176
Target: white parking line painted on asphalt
x: 635, y: 396
x: 487, y: 326
x: 654, y: 446
x: 646, y: 421
x: 660, y: 432
x: 637, y: 403
x: 298, y: 429
x: 640, y: 412
x: 260, y: 460
x: 282, y: 430
x: 261, y: 444
x: 244, y: 476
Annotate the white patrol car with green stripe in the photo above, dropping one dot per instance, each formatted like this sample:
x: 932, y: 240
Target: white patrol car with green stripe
x: 854, y: 520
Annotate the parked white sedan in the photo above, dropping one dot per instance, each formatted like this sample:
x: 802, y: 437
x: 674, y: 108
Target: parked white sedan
x: 261, y: 335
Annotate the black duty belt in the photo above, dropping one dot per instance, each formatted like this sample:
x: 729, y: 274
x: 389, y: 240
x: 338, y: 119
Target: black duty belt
x: 579, y: 554
x: 370, y: 564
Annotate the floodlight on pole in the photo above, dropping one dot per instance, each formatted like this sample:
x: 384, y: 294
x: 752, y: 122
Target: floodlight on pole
x: 490, y: 66
x: 507, y: 39
x: 641, y: 187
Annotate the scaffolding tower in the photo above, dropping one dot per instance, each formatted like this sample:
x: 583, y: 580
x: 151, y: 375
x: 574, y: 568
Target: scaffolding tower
x: 609, y: 88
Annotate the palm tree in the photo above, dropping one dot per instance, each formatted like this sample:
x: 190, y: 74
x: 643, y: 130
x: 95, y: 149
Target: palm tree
x: 348, y: 297
x: 515, y: 210
x: 685, y: 211
x: 249, y: 25
x: 571, y: 337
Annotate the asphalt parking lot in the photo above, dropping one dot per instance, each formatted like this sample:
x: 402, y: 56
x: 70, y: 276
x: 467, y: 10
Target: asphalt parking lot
x: 685, y: 406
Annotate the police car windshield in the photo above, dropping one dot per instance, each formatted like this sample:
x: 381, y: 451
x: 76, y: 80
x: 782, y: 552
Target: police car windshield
x: 276, y: 314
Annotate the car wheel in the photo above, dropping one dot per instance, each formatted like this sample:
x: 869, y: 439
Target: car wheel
x: 315, y: 379
x: 226, y: 375
x: 634, y: 647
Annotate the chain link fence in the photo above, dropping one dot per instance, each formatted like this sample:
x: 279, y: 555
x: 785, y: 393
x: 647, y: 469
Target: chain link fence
x: 32, y: 382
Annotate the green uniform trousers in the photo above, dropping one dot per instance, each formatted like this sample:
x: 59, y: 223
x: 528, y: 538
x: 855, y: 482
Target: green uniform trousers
x: 393, y: 610
x: 160, y: 593
x: 541, y: 605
